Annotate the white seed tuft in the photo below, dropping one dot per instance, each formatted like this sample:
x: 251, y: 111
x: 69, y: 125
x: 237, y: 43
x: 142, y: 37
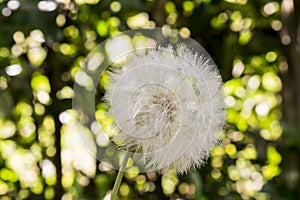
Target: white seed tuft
x: 168, y: 107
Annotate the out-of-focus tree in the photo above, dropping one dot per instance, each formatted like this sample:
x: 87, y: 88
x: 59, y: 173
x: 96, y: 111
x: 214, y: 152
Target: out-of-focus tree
x: 291, y: 91
x: 43, y: 45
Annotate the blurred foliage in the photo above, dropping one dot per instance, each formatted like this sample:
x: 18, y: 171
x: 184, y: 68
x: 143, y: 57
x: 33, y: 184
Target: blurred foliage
x: 43, y: 45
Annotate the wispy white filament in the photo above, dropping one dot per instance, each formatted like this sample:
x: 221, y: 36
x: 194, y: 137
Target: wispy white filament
x: 168, y: 106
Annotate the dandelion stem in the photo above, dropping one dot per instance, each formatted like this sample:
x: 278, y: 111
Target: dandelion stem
x: 118, y: 181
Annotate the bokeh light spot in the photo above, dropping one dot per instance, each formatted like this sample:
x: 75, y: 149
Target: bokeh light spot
x: 242, y: 2
x: 238, y: 68
x: 114, y: 49
x: 7, y: 130
x: 124, y: 190
x: 60, y: 20
x: 13, y: 70
x: 84, y: 80
x: 13, y: 4
x: 115, y: 6
x: 3, y: 188
x: 216, y: 174
x: 188, y: 6
x: 230, y: 149
x: 184, y: 32
x: 47, y: 6
x: 271, y: 8
x: 271, y: 82
x: 132, y: 172
x: 170, y: 7
x: 169, y: 182
x: 6, y: 12
x: 271, y: 56
x: 262, y: 109
x: 4, y: 52
x: 19, y: 37
x: 138, y: 21
x: 229, y: 101
x: 276, y: 25
x: 254, y: 82
x: 234, y: 173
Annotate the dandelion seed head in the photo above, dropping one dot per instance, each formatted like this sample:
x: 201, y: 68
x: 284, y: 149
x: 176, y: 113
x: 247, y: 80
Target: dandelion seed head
x: 167, y: 103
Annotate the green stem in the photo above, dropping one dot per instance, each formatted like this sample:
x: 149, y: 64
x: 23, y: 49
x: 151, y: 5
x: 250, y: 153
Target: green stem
x: 118, y: 181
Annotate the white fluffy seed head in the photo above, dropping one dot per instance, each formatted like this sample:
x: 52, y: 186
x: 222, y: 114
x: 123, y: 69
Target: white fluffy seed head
x: 168, y: 106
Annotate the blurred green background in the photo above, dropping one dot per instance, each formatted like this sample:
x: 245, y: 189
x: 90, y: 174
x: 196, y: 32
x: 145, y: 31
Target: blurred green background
x: 256, y: 45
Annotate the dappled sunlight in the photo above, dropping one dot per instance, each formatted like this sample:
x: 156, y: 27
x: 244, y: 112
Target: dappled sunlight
x: 255, y: 97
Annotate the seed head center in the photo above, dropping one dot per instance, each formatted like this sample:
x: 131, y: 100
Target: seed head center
x: 153, y: 104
